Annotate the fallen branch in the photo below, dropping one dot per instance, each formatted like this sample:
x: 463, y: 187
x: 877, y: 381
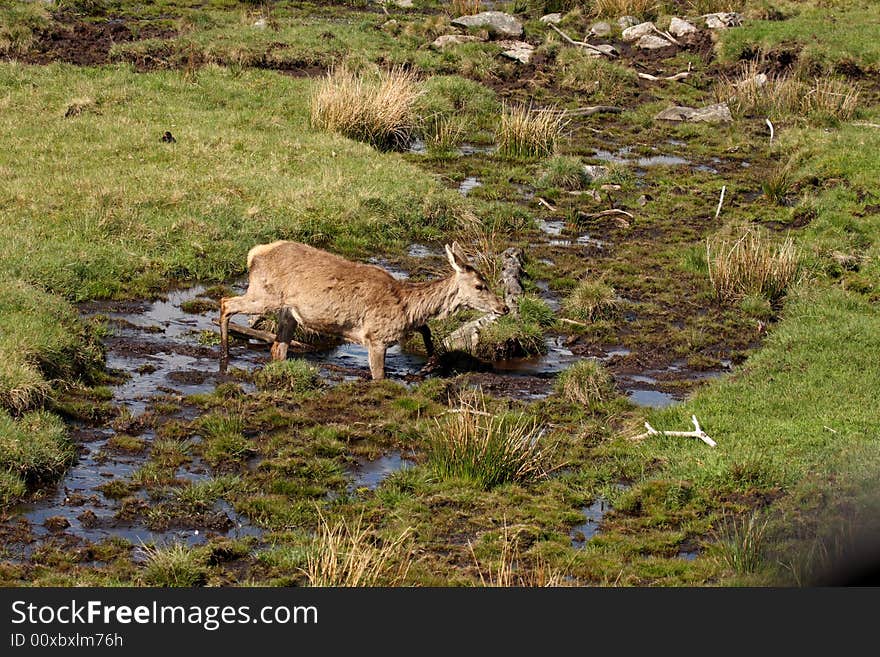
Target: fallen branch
x: 696, y: 433
x: 665, y: 35
x: 263, y: 336
x: 572, y: 321
x: 545, y: 204
x: 595, y: 109
x: 579, y: 44
x: 606, y: 213
x: 467, y: 337
x: 654, y: 78
x: 720, y: 201
x: 772, y: 131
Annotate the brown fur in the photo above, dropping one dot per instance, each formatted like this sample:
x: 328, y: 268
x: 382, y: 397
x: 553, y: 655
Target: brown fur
x: 327, y: 294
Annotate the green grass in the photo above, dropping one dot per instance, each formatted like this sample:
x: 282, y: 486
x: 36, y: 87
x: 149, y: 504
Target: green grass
x: 852, y: 39
x: 293, y: 375
x: 131, y: 212
x: 33, y: 449
x: 586, y: 383
x: 174, y: 565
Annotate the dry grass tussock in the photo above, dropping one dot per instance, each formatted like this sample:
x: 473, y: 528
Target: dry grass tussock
x: 465, y: 7
x: 349, y: 555
x: 526, y: 132
x: 377, y: 109
x: 753, y: 93
x: 487, y: 448
x: 617, y: 8
x: 751, y: 264
x: 512, y: 569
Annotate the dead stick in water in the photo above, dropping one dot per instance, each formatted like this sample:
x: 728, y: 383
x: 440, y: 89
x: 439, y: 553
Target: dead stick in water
x: 257, y: 334
x: 545, y: 204
x: 571, y: 321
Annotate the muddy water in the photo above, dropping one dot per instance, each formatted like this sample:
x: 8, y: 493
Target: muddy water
x: 369, y: 474
x: 593, y: 515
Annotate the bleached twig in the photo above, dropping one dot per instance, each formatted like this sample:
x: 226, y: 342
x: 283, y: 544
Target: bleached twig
x: 665, y: 35
x: 720, y: 201
x: 772, y: 131
x: 696, y: 433
x: 545, y: 204
x: 580, y: 44
x: 654, y: 78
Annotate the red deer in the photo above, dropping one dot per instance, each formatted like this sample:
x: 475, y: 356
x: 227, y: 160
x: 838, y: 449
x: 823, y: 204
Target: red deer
x: 327, y: 294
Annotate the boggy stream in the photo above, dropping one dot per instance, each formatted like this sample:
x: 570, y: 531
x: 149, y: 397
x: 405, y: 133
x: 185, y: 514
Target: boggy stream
x: 167, y: 352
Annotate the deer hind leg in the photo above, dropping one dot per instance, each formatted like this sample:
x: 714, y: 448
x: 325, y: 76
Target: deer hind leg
x: 376, y: 351
x: 230, y: 306
x: 286, y: 328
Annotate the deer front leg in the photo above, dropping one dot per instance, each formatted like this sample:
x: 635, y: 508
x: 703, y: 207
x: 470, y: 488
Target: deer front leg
x: 286, y: 329
x: 376, y: 353
x: 426, y: 336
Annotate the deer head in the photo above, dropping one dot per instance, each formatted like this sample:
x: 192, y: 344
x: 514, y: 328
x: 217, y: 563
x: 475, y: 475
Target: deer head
x: 472, y: 289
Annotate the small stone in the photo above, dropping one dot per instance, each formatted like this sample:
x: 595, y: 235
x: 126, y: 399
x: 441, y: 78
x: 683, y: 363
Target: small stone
x: 680, y: 28
x: 596, y: 171
x: 636, y: 32
x: 642, y: 200
x: 652, y: 42
x: 405, y: 4
x: 627, y: 21
x: 718, y: 113
x: 498, y: 23
x: 723, y: 20
x: 447, y: 40
x: 261, y: 24
x: 519, y: 51
x: 675, y: 113
x: 551, y: 19
x: 757, y: 81
x: 606, y: 48
x: 610, y: 188
x: 391, y: 26
x: 600, y: 29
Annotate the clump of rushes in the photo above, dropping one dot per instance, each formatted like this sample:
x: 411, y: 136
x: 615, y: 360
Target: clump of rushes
x: 587, y: 383
x: 615, y: 8
x: 293, y: 375
x: 752, y: 264
x: 465, y: 7
x: 348, y: 555
x: 173, y: 565
x: 473, y: 444
x: 591, y: 300
x: 443, y: 134
x: 564, y: 172
x: 778, y: 185
x: 527, y: 132
x: 753, y: 93
x: 741, y: 543
x: 378, y: 110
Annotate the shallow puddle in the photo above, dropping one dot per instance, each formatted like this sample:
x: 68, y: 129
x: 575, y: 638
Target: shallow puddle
x: 593, y: 515
x: 468, y: 184
x: 370, y: 474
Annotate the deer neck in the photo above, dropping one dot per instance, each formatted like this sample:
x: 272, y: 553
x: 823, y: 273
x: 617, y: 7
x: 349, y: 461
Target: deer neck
x: 424, y: 301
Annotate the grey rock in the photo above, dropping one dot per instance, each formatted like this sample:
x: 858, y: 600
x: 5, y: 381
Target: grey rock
x: 519, y: 51
x: 600, y: 29
x: 405, y: 4
x: 447, y: 40
x: 391, y: 26
x: 596, y: 171
x: 627, y: 21
x: 723, y: 20
x: 636, y: 32
x: 552, y: 19
x: 652, y: 42
x: 718, y: 113
x: 497, y: 23
x: 261, y: 24
x: 680, y: 28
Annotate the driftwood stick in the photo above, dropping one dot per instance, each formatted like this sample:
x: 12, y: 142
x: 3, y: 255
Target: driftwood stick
x: 665, y: 35
x: 594, y: 109
x: 654, y: 78
x: 466, y: 337
x: 545, y: 204
x: 772, y: 131
x: 696, y: 433
x: 606, y: 213
x: 572, y: 321
x: 720, y: 201
x: 263, y: 336
x: 578, y: 44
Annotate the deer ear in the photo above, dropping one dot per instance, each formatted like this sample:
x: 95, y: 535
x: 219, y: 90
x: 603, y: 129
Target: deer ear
x: 453, y: 257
